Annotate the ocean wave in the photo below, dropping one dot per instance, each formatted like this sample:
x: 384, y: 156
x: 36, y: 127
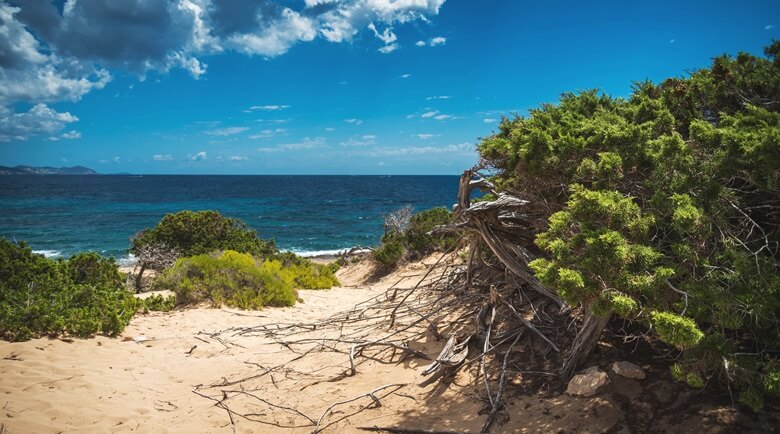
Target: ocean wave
x: 314, y: 253
x: 127, y: 261
x: 48, y: 253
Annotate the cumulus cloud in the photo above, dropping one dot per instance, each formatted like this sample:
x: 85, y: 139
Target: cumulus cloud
x: 162, y: 157
x: 39, y: 120
x: 433, y: 42
x: 51, y: 53
x: 71, y: 135
x: 200, y: 156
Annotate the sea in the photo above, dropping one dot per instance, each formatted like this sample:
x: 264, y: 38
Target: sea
x: 60, y: 215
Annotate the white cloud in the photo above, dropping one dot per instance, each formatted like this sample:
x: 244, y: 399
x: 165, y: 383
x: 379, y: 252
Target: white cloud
x: 406, y: 75
x: 39, y: 120
x: 269, y: 133
x: 769, y: 27
x: 458, y: 149
x: 306, y: 143
x: 433, y: 42
x: 489, y: 120
x: 70, y: 135
x: 330, y: 129
x: 435, y: 114
x: 438, y: 97
x: 51, y: 54
x: 387, y: 49
x: 672, y: 41
x: 200, y: 156
x: 364, y: 140
x: 442, y: 117
x: 270, y: 107
x: 429, y: 114
x: 425, y: 136
x: 439, y: 40
x: 238, y: 158
x: 162, y: 157
x: 353, y: 121
x: 228, y: 131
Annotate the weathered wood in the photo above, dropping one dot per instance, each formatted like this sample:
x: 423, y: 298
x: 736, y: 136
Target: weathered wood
x: 583, y: 343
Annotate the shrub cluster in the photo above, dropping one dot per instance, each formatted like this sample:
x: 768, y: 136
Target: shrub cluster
x: 670, y: 211
x: 190, y: 233
x: 412, y: 240
x: 81, y: 296
x: 241, y: 280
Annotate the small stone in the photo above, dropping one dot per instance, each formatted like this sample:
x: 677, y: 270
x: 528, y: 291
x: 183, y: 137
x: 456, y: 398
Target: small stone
x: 628, y: 370
x: 587, y: 383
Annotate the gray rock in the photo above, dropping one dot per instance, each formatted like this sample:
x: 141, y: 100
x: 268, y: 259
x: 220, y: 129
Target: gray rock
x: 628, y: 370
x: 587, y: 383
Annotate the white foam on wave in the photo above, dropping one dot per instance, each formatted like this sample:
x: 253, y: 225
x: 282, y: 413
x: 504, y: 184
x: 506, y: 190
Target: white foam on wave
x: 127, y: 261
x: 48, y: 253
x: 315, y: 253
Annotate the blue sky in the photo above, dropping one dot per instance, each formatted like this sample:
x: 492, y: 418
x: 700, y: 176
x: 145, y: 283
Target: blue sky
x: 324, y: 86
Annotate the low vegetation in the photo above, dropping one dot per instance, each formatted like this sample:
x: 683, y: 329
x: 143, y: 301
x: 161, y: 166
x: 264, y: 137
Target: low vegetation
x: 231, y: 278
x: 407, y: 236
x: 81, y: 296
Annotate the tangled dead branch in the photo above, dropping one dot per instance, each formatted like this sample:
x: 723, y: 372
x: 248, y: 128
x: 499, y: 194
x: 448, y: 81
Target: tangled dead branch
x: 492, y: 316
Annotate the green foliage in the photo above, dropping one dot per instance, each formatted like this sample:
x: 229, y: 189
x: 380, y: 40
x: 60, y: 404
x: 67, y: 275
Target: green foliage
x: 676, y: 330
x: 231, y: 278
x: 391, y: 251
x: 191, y: 233
x: 671, y: 208
x: 81, y: 296
x: 158, y: 303
x: 414, y: 241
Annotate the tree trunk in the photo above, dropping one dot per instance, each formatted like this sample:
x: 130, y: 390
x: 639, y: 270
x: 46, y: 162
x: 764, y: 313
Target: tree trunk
x: 139, y: 278
x: 583, y: 343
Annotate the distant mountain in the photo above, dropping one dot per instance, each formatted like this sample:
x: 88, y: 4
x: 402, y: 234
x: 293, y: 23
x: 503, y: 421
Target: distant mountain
x: 29, y: 170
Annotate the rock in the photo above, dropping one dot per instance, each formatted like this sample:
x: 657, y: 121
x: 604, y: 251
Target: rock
x: 628, y: 370
x: 587, y: 383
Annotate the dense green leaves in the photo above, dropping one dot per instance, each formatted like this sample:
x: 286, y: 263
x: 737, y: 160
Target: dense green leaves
x: 80, y: 296
x: 413, y: 241
x: 232, y: 278
x: 190, y: 233
x: 665, y: 207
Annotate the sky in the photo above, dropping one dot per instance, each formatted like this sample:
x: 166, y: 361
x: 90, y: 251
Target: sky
x: 325, y: 86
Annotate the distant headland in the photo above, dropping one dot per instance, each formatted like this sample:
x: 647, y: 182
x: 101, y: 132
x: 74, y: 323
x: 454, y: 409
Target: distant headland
x: 46, y: 170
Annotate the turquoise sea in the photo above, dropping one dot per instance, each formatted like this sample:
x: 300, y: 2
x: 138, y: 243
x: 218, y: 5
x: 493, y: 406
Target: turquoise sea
x: 59, y: 215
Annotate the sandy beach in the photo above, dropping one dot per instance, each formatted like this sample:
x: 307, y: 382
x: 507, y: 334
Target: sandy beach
x: 149, y: 379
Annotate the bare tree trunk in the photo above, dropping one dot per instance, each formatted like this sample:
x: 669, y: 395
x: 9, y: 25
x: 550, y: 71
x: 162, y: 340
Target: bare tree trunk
x: 583, y: 343
x: 139, y: 278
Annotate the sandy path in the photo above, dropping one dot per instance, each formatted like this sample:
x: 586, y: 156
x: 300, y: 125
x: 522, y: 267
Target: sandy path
x: 128, y: 384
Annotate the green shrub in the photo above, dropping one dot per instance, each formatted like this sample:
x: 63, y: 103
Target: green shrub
x: 81, y: 296
x: 158, y: 303
x: 412, y: 239
x: 190, y: 233
x: 391, y: 251
x: 231, y: 278
x: 664, y: 208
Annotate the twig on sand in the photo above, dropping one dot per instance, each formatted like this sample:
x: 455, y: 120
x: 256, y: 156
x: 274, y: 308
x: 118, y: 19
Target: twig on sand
x: 371, y: 394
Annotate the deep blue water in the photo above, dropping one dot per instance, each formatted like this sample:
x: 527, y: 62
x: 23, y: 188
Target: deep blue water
x: 62, y: 215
